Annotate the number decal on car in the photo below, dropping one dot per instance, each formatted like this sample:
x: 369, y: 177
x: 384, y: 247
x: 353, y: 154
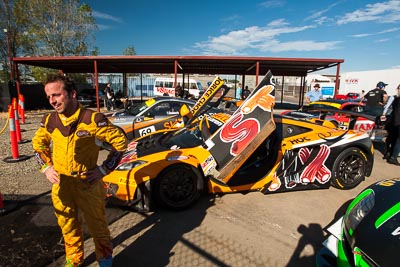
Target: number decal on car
x: 147, y: 130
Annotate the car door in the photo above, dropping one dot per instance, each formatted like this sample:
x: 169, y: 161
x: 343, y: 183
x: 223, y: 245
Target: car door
x: 162, y: 115
x: 249, y: 126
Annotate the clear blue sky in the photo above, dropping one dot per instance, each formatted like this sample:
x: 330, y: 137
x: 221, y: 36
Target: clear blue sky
x: 366, y: 34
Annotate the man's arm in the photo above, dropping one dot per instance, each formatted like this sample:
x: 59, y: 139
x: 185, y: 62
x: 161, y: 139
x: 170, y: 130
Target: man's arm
x: 41, y: 147
x: 385, y: 98
x: 113, y: 135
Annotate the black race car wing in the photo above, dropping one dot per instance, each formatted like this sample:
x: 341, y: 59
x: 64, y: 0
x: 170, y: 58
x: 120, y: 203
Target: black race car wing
x: 353, y: 116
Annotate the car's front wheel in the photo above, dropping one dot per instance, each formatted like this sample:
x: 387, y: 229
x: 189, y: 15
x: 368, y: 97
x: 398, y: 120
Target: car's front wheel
x: 349, y: 168
x: 178, y: 187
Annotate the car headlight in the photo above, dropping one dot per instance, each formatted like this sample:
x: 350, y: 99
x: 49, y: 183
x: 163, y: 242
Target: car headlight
x: 359, y: 209
x: 130, y: 165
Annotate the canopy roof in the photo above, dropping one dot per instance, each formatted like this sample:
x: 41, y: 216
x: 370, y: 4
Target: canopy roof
x: 183, y: 64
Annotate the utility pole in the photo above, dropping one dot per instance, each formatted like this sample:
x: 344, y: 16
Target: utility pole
x: 10, y: 65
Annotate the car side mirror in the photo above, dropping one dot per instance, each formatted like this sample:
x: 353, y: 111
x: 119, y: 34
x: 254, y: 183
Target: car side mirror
x: 184, y: 110
x: 185, y: 113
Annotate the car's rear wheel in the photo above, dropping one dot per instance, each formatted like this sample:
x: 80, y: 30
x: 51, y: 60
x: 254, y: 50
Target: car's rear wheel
x: 178, y: 187
x: 349, y: 168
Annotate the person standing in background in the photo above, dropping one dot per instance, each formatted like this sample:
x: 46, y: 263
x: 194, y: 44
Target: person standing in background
x: 394, y: 130
x: 314, y: 95
x: 66, y: 150
x: 178, y: 91
x: 391, y: 135
x: 246, y: 92
x: 376, y: 99
x: 238, y: 94
x: 110, y: 97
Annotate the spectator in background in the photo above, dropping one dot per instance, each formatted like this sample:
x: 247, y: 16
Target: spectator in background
x: 391, y: 136
x: 110, y: 97
x: 362, y: 93
x: 246, y: 92
x: 376, y: 99
x: 238, y: 94
x: 314, y: 95
x: 394, y: 130
x: 178, y: 91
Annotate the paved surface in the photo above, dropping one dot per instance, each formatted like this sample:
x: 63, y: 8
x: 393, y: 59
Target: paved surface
x: 283, y: 229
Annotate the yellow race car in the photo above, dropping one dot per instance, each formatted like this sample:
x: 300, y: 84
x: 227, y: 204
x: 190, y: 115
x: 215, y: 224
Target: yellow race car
x: 250, y: 150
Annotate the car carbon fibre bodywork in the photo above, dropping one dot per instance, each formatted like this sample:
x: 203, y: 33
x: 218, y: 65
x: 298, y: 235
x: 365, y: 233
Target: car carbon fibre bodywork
x: 152, y: 115
x: 369, y: 232
x: 247, y: 151
x: 338, y: 109
x: 159, y: 113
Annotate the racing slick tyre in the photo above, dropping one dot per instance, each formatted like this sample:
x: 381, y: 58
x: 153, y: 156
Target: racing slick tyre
x: 178, y: 187
x: 349, y: 168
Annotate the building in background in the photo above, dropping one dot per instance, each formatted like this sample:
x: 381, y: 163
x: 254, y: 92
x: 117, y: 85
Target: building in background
x: 355, y: 82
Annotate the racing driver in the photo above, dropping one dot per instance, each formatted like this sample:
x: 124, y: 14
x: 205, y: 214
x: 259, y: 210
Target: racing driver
x: 65, y: 147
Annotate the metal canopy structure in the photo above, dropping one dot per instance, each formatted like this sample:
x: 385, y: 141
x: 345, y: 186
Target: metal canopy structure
x: 243, y: 66
x: 182, y: 64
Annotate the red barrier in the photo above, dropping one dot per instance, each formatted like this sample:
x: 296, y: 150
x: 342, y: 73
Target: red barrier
x: 13, y: 132
x: 17, y: 125
x: 13, y: 138
x: 21, y: 108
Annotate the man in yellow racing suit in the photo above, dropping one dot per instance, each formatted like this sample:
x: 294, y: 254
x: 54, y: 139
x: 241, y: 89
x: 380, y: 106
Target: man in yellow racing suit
x: 65, y: 146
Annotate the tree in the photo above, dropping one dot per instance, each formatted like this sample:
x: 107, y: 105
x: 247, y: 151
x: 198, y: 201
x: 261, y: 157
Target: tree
x: 7, y: 40
x: 129, y: 51
x: 55, y: 27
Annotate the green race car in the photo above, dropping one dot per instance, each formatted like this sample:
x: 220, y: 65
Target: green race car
x: 369, y: 232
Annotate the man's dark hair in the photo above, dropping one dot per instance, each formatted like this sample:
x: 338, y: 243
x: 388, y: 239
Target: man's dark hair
x: 69, y: 84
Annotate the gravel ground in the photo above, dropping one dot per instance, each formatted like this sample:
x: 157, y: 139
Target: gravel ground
x: 20, y: 178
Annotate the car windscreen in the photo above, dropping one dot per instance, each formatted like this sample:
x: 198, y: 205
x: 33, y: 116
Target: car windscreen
x: 138, y: 108
x: 190, y: 136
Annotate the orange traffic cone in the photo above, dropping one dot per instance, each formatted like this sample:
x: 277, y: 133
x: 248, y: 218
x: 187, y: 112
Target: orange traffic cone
x: 13, y: 138
x: 21, y: 108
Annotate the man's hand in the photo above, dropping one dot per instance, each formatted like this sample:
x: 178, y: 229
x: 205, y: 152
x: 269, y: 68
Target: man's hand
x: 52, y: 175
x: 92, y: 175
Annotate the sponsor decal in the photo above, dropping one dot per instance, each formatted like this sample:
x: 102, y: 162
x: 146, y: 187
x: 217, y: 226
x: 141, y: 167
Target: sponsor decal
x: 324, y: 135
x: 102, y: 123
x: 208, y: 165
x: 124, y: 181
x: 239, y: 132
x: 219, y: 118
x: 396, y: 232
x: 163, y: 90
x: 139, y: 119
x: 172, y: 124
x: 351, y: 80
x: 242, y: 132
x: 300, y: 140
x: 130, y: 153
x: 302, y: 168
x: 390, y: 182
x: 119, y: 119
x: 82, y: 133
x: 208, y: 94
